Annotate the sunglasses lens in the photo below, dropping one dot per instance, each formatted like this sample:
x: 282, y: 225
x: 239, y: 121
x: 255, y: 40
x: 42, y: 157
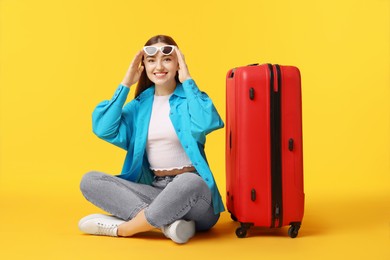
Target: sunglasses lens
x: 167, y: 50
x: 150, y: 50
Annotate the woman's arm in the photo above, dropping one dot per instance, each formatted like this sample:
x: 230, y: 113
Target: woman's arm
x: 204, y: 116
x: 112, y: 122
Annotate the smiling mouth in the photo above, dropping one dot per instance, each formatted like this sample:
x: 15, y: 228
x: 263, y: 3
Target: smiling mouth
x: 160, y: 74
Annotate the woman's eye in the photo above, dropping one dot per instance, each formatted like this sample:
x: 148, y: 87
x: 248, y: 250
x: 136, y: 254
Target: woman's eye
x: 167, y: 59
x: 150, y: 61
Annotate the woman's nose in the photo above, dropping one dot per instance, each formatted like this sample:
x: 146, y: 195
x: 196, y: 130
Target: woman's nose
x: 159, y: 65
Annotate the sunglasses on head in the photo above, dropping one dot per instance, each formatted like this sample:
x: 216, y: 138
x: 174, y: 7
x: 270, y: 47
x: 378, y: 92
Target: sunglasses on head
x: 152, y: 50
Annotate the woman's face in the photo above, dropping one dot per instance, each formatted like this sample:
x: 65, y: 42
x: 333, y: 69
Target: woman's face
x: 161, y: 69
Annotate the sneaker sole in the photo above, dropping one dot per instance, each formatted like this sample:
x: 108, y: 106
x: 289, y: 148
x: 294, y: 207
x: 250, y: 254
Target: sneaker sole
x: 94, y: 216
x: 98, y: 227
x: 184, y: 230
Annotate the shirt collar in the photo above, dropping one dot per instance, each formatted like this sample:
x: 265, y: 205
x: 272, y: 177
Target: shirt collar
x: 146, y: 93
x: 179, y: 91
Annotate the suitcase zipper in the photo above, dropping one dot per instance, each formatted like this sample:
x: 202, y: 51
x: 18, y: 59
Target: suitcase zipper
x: 276, y: 155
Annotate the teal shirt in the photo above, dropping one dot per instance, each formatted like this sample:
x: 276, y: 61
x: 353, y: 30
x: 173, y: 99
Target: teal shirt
x: 193, y: 116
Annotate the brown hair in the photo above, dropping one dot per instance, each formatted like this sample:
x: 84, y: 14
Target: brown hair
x: 144, y: 82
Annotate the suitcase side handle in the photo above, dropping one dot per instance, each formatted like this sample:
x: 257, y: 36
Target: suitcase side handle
x: 291, y: 144
x: 251, y: 93
x: 253, y: 194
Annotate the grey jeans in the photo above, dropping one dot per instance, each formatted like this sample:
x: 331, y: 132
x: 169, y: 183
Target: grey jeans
x: 185, y: 196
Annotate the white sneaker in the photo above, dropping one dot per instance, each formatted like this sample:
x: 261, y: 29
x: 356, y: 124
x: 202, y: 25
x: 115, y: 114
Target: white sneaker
x: 180, y: 231
x: 100, y: 224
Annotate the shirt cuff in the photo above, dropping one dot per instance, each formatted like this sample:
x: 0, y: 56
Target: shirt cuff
x: 190, y: 86
x: 121, y: 93
x: 121, y: 85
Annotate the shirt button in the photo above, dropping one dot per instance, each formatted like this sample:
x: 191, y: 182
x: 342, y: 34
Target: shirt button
x: 207, y: 179
x: 186, y: 146
x: 179, y: 130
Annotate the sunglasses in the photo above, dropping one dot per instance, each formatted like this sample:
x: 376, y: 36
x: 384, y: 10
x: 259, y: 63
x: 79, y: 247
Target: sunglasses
x: 152, y: 50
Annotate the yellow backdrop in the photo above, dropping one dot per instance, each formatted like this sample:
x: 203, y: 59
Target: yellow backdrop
x: 58, y: 59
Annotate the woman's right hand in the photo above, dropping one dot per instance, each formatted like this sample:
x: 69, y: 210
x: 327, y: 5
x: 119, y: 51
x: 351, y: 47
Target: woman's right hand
x: 134, y: 72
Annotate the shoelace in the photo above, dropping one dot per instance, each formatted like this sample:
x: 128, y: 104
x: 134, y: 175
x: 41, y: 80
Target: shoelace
x: 107, y: 229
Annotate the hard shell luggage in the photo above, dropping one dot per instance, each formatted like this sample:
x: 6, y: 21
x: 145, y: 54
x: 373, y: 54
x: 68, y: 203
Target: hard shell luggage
x: 264, y: 158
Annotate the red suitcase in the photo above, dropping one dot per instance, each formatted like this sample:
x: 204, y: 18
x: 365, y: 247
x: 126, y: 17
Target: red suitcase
x: 264, y: 162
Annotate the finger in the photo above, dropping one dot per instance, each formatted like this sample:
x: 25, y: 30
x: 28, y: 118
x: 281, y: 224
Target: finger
x: 180, y: 57
x: 139, y: 56
x: 137, y: 60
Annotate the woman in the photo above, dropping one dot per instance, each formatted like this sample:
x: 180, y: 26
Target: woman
x: 166, y: 182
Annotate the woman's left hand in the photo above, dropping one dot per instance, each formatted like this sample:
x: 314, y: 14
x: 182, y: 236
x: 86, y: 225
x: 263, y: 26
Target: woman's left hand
x: 184, y: 74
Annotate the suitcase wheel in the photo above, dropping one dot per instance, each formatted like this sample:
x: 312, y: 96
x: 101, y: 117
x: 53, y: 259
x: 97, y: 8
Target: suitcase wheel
x: 241, y: 232
x: 293, y: 230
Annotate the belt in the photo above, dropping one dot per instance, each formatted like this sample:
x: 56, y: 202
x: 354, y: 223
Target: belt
x: 174, y: 171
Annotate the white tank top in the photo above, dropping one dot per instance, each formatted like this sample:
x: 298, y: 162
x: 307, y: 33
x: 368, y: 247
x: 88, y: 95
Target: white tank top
x: 163, y: 147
